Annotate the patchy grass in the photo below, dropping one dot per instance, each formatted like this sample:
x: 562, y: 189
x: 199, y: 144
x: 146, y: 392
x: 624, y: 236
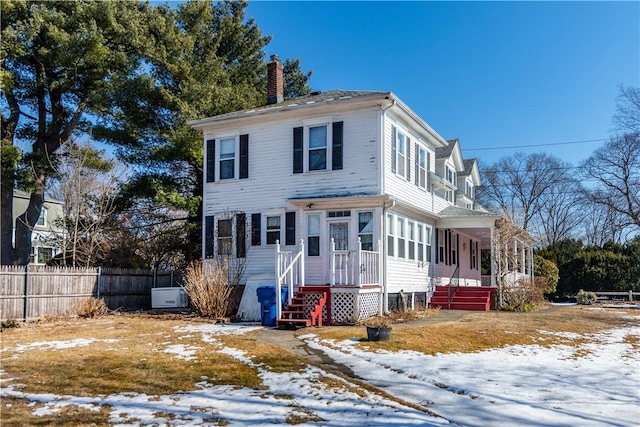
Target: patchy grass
x: 19, y: 412
x: 126, y: 354
x: 478, y: 331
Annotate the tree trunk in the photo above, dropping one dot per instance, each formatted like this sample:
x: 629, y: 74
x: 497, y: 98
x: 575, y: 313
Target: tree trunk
x: 25, y: 223
x: 7, y: 253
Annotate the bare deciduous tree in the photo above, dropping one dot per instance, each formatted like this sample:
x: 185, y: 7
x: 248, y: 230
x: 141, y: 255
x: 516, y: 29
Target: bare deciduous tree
x: 615, y: 167
x: 560, y: 214
x: 627, y: 117
x: 86, y: 184
x: 523, y: 186
x: 601, y: 225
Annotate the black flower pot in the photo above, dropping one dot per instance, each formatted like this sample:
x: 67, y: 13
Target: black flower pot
x: 378, y: 333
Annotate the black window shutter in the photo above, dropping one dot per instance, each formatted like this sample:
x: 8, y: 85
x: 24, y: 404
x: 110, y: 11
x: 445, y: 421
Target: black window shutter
x: 336, y: 156
x: 256, y: 219
x: 208, y: 237
x: 211, y: 160
x: 241, y: 235
x: 408, y: 159
x: 393, y: 149
x: 470, y: 253
x: 297, y: 150
x: 437, y: 246
x: 417, y: 164
x: 290, y: 225
x: 457, y: 249
x: 244, y: 156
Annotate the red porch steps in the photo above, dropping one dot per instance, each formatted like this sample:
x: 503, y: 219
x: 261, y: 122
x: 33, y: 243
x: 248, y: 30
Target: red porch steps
x: 306, y: 309
x: 473, y: 298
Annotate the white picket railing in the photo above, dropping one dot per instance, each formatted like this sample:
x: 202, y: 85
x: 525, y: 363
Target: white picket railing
x: 356, y: 267
x: 289, y: 270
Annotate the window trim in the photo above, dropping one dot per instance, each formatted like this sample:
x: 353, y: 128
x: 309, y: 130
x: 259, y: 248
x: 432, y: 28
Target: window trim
x: 235, y: 157
x: 373, y: 228
x: 391, y: 237
x: 307, y: 147
x: 272, y: 213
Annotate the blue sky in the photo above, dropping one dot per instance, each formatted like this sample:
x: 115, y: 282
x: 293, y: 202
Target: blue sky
x: 494, y: 74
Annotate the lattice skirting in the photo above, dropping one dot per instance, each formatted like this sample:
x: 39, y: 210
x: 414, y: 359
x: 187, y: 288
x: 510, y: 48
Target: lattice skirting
x: 349, y: 307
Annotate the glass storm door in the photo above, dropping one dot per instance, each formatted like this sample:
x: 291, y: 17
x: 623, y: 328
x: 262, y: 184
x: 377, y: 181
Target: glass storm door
x: 339, y: 232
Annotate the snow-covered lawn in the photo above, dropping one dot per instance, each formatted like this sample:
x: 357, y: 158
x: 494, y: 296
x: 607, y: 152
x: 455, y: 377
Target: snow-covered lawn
x: 596, y: 382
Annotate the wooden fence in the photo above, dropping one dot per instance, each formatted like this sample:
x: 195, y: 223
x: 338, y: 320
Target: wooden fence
x: 37, y: 291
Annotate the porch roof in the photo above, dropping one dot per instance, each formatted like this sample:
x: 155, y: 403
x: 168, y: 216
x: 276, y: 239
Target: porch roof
x: 347, y: 199
x: 476, y: 223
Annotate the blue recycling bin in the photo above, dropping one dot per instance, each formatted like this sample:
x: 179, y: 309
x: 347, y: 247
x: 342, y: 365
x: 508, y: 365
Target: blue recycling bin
x: 267, y: 299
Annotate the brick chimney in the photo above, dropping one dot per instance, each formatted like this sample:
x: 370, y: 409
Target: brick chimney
x: 275, y: 81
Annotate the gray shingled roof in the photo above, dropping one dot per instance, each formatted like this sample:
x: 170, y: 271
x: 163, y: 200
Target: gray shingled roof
x: 313, y: 98
x: 444, y: 152
x: 468, y: 166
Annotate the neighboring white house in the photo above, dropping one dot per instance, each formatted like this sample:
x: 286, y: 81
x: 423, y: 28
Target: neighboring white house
x: 349, y: 167
x: 48, y: 230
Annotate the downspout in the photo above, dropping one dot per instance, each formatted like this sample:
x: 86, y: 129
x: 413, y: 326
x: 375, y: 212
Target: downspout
x: 384, y: 307
x: 385, y: 287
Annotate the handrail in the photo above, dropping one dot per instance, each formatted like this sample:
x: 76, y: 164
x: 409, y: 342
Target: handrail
x: 281, y: 274
x: 449, y: 295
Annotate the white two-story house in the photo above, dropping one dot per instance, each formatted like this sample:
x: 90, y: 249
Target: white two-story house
x: 377, y: 203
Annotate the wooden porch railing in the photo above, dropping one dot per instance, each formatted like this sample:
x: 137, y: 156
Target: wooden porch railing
x: 289, y: 270
x: 454, y: 284
x: 357, y: 267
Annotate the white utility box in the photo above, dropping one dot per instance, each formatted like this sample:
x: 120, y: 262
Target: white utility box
x: 168, y: 298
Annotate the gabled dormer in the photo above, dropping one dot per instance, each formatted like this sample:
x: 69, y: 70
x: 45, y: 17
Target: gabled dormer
x: 448, y: 164
x: 468, y: 181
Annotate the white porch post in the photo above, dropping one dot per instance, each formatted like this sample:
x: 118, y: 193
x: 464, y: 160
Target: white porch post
x: 332, y: 262
x: 381, y: 281
x: 359, y: 265
x: 531, y: 274
x: 278, y: 282
x: 494, y: 265
x: 302, y: 272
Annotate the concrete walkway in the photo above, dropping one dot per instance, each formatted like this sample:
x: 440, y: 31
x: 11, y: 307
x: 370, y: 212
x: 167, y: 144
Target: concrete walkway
x: 286, y: 339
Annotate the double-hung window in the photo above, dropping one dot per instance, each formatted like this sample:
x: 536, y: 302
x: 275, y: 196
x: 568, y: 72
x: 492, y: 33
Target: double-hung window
x: 441, y: 245
x: 468, y: 189
x: 225, y: 236
x: 427, y: 232
x: 313, y: 235
x: 227, y: 158
x: 42, y: 219
x: 412, y: 240
x: 451, y: 175
x: 390, y: 235
x: 421, y: 177
x: 273, y: 229
x: 420, y: 230
x: 318, y: 148
x: 401, y: 154
x: 401, y: 238
x: 365, y: 230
